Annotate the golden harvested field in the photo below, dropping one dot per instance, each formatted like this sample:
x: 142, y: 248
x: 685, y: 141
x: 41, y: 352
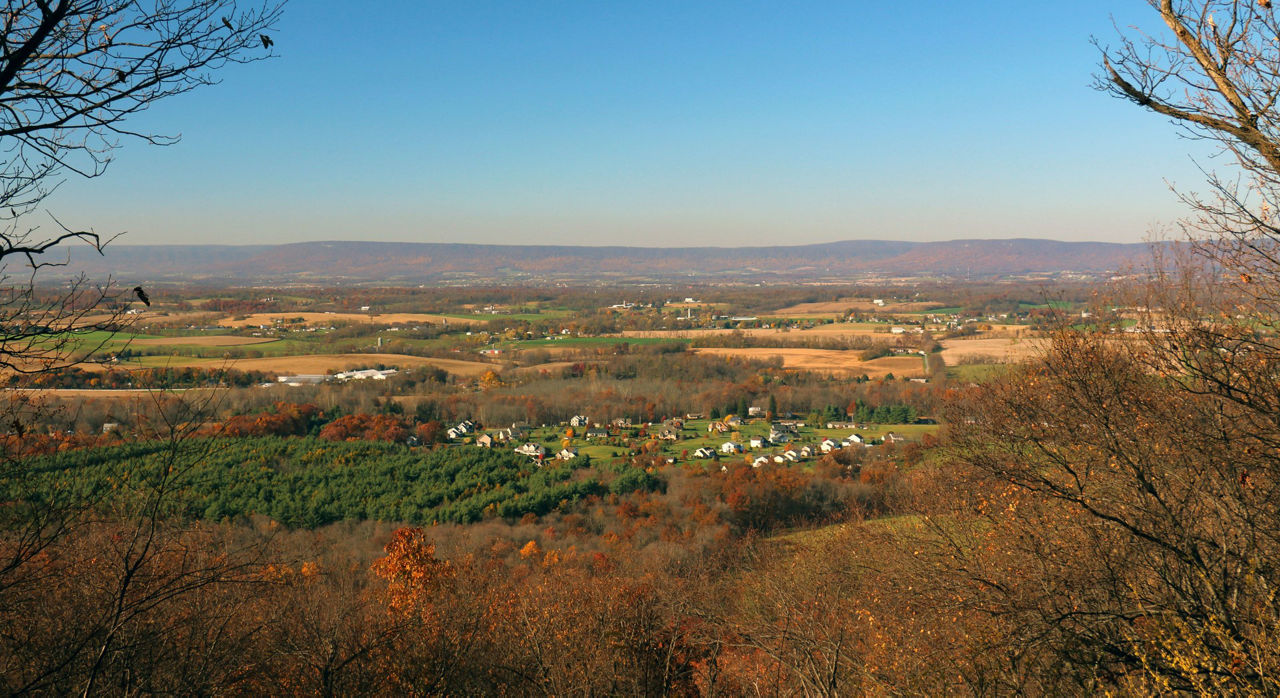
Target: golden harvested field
x: 839, y: 307
x: 324, y: 319
x: 990, y: 350
x: 829, y: 361
x: 206, y: 341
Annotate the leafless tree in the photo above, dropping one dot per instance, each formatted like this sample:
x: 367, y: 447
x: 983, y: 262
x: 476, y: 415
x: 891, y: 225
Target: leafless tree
x: 72, y: 73
x: 1130, y: 482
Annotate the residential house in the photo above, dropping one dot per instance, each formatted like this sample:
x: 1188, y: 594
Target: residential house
x: 704, y: 453
x: 532, y: 450
x: 759, y: 461
x: 463, y: 428
x: 731, y: 447
x: 484, y: 441
x: 759, y: 442
x: 828, y: 445
x: 669, y: 435
x: 579, y: 420
x: 597, y: 434
x: 792, y: 456
x: 567, y: 453
x: 514, y: 432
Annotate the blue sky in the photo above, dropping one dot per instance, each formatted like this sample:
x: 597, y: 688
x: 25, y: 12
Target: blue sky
x: 654, y: 123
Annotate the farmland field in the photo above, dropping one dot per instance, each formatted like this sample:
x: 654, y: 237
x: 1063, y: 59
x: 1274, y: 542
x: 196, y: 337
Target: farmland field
x: 316, y: 319
x: 839, y: 307
x: 990, y: 350
x: 825, y: 331
x: 203, y: 341
x: 309, y: 363
x: 828, y: 360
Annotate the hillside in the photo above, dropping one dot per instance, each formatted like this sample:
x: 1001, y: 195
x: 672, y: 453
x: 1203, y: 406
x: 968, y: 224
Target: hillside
x: 460, y: 263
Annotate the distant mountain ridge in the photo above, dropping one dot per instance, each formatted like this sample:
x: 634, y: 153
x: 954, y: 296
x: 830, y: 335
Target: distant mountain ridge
x: 409, y: 262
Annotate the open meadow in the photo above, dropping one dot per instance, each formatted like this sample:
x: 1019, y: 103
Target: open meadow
x: 827, y: 361
x: 310, y: 363
x: 984, y: 350
x: 311, y: 319
x: 201, y: 341
x: 844, y: 306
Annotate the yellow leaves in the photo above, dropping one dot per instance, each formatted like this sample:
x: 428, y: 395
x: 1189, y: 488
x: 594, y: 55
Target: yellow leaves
x: 530, y: 550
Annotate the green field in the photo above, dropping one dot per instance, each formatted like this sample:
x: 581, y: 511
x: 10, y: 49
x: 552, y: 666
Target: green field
x: 589, y: 341
x: 976, y: 373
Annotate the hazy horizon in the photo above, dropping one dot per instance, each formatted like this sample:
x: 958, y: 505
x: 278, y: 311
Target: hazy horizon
x: 124, y: 242
x: 653, y: 125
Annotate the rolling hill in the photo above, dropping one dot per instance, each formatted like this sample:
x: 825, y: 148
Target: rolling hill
x: 402, y: 262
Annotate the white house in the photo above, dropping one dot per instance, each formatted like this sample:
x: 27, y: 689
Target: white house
x: 579, y: 420
x: 532, y: 450
x: 704, y: 453
x: 567, y: 454
x: 762, y: 460
x: 759, y: 442
x: 828, y: 445
x: 731, y: 447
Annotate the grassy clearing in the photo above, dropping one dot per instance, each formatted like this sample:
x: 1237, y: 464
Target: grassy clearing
x: 976, y: 373
x: 589, y: 341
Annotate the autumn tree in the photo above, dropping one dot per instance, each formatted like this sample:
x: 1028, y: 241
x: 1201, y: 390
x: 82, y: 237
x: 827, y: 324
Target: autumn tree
x: 72, y: 73
x: 1129, y: 483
